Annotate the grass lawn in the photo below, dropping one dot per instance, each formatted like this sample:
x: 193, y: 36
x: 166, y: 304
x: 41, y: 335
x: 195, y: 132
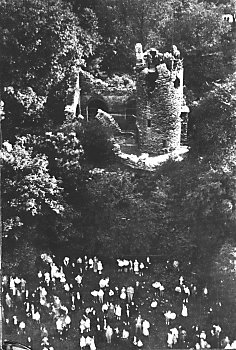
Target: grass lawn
x: 202, y: 311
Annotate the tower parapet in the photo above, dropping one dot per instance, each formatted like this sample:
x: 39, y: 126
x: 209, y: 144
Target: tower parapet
x: 159, y: 99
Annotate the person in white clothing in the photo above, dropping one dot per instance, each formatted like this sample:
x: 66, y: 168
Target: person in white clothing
x: 59, y: 325
x: 66, y: 260
x: 92, y: 344
x: 82, y: 326
x: 141, y: 267
x: 104, y: 282
x: 203, y: 335
x: 12, y: 285
x: 45, y: 342
x: 181, y: 280
x: 44, y: 332
x: 184, y: 312
x: 161, y: 289
x: 125, y: 334
x: 22, y: 326
x: 139, y: 343
x: 91, y: 263
x: 88, y: 340
x: 43, y: 294
x: 87, y: 324
x: 205, y: 292
x: 169, y: 316
x: 100, y: 295
x: 105, y: 307
x: 100, y: 267
x: 15, y: 320
x: 47, y: 278
x: 138, y: 324
x: 54, y: 271
x: 130, y: 293
x: 154, y: 304
x: 178, y: 289
x: 67, y: 320
x: 36, y: 316
x: 175, y: 333
x: 187, y: 291
x: 78, y: 279
x: 66, y: 287
x: 123, y: 293
x: 146, y: 326
x: 176, y: 265
x: 23, y: 285
x: 118, y: 312
x: 170, y: 340
x: 125, y: 265
x: 8, y: 301
x: 136, y: 267
x: 109, y: 333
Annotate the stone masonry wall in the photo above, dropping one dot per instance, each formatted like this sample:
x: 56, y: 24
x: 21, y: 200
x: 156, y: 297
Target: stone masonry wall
x: 159, y: 102
x: 113, y: 92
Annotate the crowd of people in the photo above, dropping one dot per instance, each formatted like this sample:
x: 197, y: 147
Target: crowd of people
x: 93, y: 303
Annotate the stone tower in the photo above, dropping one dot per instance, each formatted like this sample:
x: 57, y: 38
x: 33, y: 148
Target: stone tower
x: 159, y: 99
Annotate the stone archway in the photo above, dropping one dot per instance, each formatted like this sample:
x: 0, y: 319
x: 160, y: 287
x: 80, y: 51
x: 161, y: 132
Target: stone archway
x: 94, y: 104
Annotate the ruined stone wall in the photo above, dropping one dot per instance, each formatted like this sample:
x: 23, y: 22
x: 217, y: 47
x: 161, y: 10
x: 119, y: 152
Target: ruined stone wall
x: 108, y: 122
x: 114, y: 93
x: 72, y: 95
x: 159, y: 101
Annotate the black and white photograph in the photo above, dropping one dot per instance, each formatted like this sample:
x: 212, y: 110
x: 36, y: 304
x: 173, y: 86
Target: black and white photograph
x: 117, y: 174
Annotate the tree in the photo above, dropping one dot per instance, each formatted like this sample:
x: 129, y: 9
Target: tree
x: 63, y: 150
x: 116, y: 219
x: 24, y: 112
x: 40, y: 210
x: 201, y: 202
x: 223, y: 276
x: 197, y: 29
x: 41, y: 42
x: 29, y: 190
x: 97, y: 144
x: 202, y: 37
x: 122, y: 24
x: 214, y: 122
x: 127, y: 214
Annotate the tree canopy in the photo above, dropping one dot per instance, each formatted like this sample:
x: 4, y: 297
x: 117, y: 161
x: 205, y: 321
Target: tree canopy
x: 41, y: 42
x: 213, y: 121
x: 62, y: 186
x: 197, y: 28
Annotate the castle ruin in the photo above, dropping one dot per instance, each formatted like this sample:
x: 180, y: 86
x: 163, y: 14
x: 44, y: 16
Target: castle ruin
x: 153, y: 110
x: 160, y: 102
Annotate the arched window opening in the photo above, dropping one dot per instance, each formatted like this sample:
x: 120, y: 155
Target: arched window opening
x: 177, y: 83
x: 93, y: 107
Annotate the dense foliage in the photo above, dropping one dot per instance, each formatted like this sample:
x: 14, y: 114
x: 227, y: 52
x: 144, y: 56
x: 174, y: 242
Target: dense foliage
x: 41, y: 42
x: 197, y: 28
x: 214, y: 121
x: 62, y: 188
